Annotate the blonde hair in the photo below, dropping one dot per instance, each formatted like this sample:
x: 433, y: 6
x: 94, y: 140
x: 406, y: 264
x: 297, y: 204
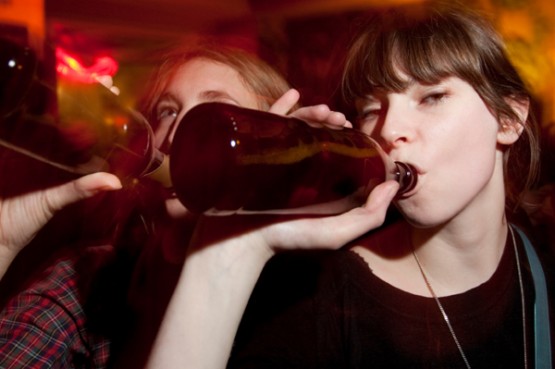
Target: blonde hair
x: 259, y: 77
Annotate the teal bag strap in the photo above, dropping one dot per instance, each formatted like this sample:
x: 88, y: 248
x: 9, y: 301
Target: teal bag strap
x: 542, y: 327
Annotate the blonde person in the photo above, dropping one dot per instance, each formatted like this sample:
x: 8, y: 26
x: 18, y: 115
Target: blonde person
x: 75, y: 316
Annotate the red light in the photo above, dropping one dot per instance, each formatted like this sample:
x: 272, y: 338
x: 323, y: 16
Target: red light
x: 121, y: 120
x: 71, y: 68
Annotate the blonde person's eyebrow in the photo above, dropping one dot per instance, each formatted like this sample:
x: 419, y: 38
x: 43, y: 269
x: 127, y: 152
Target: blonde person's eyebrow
x: 166, y: 97
x: 211, y: 95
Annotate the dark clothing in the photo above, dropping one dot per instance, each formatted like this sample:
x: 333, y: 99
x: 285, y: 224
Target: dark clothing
x: 330, y: 311
x: 93, y: 306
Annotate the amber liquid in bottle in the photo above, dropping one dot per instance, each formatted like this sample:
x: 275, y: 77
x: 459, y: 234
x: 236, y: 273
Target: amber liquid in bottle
x: 226, y: 159
x: 78, y: 128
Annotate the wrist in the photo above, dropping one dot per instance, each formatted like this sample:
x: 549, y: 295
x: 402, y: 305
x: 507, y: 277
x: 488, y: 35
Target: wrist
x: 236, y: 256
x: 7, y: 255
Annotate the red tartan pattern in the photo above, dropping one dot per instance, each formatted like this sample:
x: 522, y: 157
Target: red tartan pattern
x: 45, y: 326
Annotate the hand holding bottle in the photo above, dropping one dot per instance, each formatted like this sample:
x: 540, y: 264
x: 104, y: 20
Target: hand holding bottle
x: 223, y: 264
x: 21, y: 217
x: 273, y: 233
x: 314, y: 115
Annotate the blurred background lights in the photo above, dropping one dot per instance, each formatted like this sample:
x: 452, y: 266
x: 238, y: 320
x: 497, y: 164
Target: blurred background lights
x: 70, y: 67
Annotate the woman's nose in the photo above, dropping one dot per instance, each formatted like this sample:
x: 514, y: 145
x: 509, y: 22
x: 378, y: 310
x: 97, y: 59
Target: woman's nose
x: 176, y: 124
x: 396, y: 128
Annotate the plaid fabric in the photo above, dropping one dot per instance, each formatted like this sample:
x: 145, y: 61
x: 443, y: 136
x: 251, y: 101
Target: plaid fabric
x: 45, y: 325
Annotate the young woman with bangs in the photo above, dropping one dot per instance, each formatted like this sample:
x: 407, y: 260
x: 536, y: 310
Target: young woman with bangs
x: 454, y: 283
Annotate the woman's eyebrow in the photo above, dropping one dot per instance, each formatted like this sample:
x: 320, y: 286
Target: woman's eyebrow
x: 165, y: 97
x: 211, y: 95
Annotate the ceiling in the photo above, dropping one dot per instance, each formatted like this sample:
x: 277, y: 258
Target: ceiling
x: 136, y: 32
x: 128, y: 28
x: 131, y: 29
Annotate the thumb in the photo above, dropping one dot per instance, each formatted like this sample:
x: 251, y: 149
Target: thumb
x: 283, y: 105
x: 358, y: 221
x: 79, y: 189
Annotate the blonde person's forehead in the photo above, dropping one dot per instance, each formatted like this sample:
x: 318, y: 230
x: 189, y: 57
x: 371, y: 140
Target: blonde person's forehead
x: 201, y: 78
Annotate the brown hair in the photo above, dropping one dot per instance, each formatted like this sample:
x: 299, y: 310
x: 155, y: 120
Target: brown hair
x: 259, y: 77
x: 429, y: 43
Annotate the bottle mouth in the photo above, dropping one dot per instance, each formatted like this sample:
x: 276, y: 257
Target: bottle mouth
x: 406, y: 176
x: 159, y: 169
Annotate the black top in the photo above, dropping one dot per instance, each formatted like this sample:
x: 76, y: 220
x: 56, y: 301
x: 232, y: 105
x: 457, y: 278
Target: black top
x: 328, y: 310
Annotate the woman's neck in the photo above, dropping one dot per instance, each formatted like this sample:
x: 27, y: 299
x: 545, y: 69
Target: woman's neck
x: 455, y: 259
x: 459, y: 258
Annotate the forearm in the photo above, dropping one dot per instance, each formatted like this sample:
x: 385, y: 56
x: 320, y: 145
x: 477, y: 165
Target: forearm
x: 6, y: 258
x: 203, y: 316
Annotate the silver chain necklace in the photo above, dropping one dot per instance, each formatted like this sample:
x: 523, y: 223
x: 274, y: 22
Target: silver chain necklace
x: 446, y: 318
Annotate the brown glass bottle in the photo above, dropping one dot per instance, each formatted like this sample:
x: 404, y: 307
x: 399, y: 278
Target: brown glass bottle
x: 226, y: 159
x: 78, y: 128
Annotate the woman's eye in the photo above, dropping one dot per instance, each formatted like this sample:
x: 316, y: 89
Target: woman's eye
x: 367, y: 119
x: 369, y: 114
x: 166, y: 112
x: 433, y: 98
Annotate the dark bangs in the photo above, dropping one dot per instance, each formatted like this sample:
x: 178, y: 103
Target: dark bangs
x: 424, y: 46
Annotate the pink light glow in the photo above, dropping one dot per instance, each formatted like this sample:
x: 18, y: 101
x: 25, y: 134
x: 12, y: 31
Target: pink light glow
x: 71, y: 68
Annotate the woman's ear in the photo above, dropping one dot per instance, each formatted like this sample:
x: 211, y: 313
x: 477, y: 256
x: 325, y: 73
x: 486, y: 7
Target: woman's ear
x: 510, y: 129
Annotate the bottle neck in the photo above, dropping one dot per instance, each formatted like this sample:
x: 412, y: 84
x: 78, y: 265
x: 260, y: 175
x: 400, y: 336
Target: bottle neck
x: 159, y: 169
x: 406, y: 176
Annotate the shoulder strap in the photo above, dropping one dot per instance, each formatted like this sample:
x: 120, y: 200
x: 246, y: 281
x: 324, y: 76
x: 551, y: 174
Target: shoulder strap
x: 542, y: 337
